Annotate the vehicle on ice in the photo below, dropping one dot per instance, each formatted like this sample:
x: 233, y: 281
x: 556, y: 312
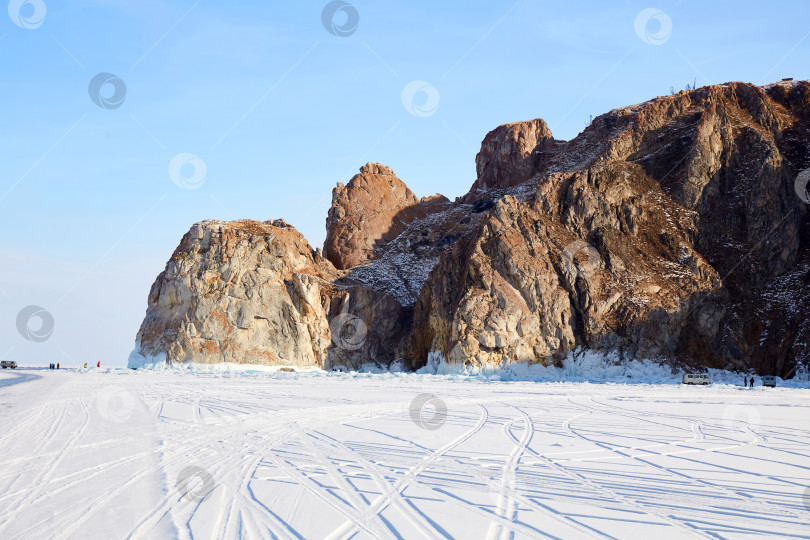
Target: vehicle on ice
x: 769, y: 380
x: 696, y: 378
x: 8, y: 364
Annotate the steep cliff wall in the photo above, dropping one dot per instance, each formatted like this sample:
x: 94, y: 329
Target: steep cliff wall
x: 675, y: 229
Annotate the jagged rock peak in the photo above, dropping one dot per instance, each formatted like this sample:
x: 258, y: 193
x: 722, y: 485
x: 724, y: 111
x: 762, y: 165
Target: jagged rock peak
x: 279, y: 223
x: 509, y: 153
x: 373, y: 208
x: 377, y: 168
x: 249, y: 226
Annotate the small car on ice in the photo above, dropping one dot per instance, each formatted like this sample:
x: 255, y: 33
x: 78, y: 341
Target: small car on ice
x: 769, y: 380
x: 8, y: 364
x: 696, y: 378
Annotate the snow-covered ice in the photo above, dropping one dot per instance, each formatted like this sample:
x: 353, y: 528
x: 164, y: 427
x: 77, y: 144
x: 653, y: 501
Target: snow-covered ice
x: 196, y: 453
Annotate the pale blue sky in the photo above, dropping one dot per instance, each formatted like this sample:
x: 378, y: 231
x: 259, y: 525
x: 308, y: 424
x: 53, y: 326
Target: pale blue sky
x: 279, y: 110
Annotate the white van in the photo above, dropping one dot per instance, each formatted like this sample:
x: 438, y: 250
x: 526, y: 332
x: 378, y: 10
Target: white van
x: 769, y: 380
x: 696, y: 378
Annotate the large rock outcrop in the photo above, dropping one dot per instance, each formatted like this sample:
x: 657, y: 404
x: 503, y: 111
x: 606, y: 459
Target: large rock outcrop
x: 372, y: 209
x: 660, y: 231
x: 249, y: 292
x: 511, y: 153
x: 673, y: 229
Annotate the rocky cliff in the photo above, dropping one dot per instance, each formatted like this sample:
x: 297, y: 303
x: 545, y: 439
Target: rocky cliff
x: 257, y: 293
x: 371, y: 210
x: 675, y: 229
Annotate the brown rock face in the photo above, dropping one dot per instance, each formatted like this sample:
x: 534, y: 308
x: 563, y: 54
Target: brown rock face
x: 664, y: 230
x: 511, y: 153
x: 675, y: 229
x: 256, y: 293
x: 372, y: 209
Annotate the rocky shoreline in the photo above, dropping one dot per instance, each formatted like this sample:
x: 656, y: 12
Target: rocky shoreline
x: 675, y: 229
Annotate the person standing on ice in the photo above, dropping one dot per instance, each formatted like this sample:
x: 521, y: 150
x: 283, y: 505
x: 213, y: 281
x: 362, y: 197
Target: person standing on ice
x: 745, y: 381
x: 99, y: 364
x: 752, y: 381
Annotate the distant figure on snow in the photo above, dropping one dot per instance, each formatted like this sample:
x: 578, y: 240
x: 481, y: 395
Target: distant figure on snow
x: 745, y: 381
x: 85, y: 365
x: 99, y: 364
x: 57, y: 366
x: 752, y: 381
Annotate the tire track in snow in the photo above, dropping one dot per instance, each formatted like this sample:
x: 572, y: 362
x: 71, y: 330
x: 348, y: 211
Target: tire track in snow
x: 505, y: 524
x: 371, y: 519
x: 611, y: 494
x: 418, y: 520
x: 507, y: 505
x: 346, y: 530
x: 48, y: 469
x: 234, y: 510
x: 459, y: 467
x: 314, y: 417
x: 356, y: 519
x: 739, y: 498
x: 175, y: 456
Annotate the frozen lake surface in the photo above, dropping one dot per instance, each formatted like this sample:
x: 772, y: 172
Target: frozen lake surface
x: 113, y: 454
